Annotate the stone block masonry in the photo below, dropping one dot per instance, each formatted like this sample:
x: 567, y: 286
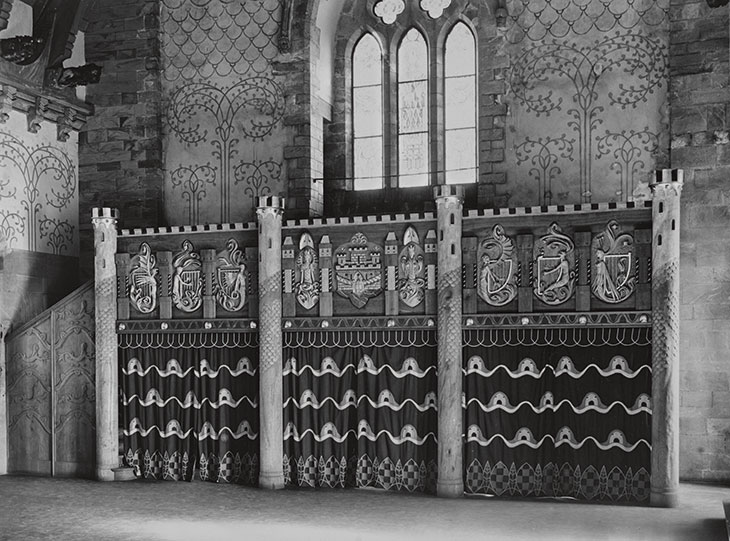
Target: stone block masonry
x: 120, y: 147
x: 700, y: 116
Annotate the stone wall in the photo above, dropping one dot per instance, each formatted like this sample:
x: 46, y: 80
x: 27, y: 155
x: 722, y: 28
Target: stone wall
x: 223, y: 109
x: 120, y: 148
x: 700, y: 113
x: 39, y: 224
x: 586, y: 93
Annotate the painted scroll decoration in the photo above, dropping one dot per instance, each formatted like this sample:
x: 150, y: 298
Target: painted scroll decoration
x: 358, y: 270
x: 412, y: 270
x: 230, y: 278
x: 554, y: 256
x: 143, y: 280
x: 497, y: 284
x: 187, y: 284
x: 612, y: 255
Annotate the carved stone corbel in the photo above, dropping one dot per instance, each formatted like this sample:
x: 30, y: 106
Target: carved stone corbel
x: 36, y: 114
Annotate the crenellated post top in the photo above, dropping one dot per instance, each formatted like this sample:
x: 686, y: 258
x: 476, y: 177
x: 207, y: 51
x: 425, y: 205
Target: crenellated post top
x: 666, y: 180
x: 271, y: 202
x: 448, y: 191
x: 104, y: 213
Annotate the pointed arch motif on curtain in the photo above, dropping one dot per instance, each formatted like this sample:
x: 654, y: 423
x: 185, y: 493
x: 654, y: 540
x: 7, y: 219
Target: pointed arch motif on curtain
x: 460, y: 101
x: 367, y: 113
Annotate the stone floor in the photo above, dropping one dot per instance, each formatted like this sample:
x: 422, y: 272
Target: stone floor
x: 64, y: 509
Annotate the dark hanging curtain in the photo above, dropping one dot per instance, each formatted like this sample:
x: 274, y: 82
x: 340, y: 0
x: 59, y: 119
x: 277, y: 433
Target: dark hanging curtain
x: 190, y: 410
x: 571, y: 421
x: 360, y: 416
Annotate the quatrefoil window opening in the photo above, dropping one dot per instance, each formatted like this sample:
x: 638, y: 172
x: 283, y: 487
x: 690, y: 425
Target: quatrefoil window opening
x: 388, y: 10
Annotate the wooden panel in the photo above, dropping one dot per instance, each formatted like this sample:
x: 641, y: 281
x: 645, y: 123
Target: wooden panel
x: 74, y: 376
x: 29, y: 399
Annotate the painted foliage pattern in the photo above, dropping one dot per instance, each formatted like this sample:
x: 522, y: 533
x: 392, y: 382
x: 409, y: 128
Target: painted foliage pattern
x: 585, y: 86
x: 223, y: 108
x: 38, y: 189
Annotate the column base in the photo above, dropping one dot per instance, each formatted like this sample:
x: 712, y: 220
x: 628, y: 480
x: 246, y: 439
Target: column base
x: 105, y: 473
x: 664, y: 499
x: 451, y: 488
x: 124, y: 473
x: 271, y: 481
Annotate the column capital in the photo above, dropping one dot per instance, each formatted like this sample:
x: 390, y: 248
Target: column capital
x: 450, y: 193
x: 270, y: 204
x: 668, y: 181
x: 104, y: 216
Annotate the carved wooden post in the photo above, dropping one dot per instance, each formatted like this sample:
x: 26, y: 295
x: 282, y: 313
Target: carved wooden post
x: 271, y: 391
x: 449, y: 200
x: 665, y: 338
x: 3, y: 402
x: 104, y: 221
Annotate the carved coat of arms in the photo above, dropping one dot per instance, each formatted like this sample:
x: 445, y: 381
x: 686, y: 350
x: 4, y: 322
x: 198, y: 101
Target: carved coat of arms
x: 412, y: 270
x: 143, y: 280
x: 554, y: 256
x: 359, y: 270
x: 497, y: 260
x: 613, y: 279
x: 306, y: 284
x: 187, y: 283
x: 230, y: 278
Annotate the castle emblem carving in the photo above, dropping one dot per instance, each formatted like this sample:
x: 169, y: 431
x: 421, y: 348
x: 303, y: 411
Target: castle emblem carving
x: 306, y: 284
x: 358, y: 270
x: 554, y: 256
x: 230, y: 278
x: 612, y: 254
x: 143, y: 280
x: 412, y: 270
x: 497, y: 257
x: 187, y: 284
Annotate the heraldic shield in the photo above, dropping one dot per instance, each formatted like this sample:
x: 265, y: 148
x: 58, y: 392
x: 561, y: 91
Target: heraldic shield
x: 187, y: 285
x: 554, y: 256
x: 143, y: 280
x: 230, y: 278
x: 412, y: 270
x: 497, y: 258
x: 359, y: 270
x: 612, y: 254
x: 306, y: 285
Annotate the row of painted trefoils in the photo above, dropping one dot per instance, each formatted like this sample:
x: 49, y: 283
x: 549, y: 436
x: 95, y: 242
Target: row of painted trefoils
x: 346, y: 273
x: 188, y: 283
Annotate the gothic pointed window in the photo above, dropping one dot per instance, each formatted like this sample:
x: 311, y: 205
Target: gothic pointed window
x: 367, y: 113
x: 460, y: 106
x: 413, y: 110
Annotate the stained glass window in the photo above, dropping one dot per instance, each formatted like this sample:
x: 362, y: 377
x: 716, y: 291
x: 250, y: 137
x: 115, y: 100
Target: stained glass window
x: 413, y: 109
x: 367, y: 114
x: 461, y: 106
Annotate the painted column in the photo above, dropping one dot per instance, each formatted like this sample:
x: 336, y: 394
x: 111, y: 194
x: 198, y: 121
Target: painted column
x: 271, y: 433
x: 665, y: 338
x: 3, y: 402
x: 449, y: 202
x: 104, y: 221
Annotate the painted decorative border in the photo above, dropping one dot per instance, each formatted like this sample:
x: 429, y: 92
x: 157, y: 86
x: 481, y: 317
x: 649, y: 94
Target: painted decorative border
x: 558, y: 320
x: 176, y: 230
x: 170, y: 326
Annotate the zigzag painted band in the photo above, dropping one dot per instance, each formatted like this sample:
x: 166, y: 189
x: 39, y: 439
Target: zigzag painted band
x: 329, y: 431
x: 350, y: 399
x: 523, y: 436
